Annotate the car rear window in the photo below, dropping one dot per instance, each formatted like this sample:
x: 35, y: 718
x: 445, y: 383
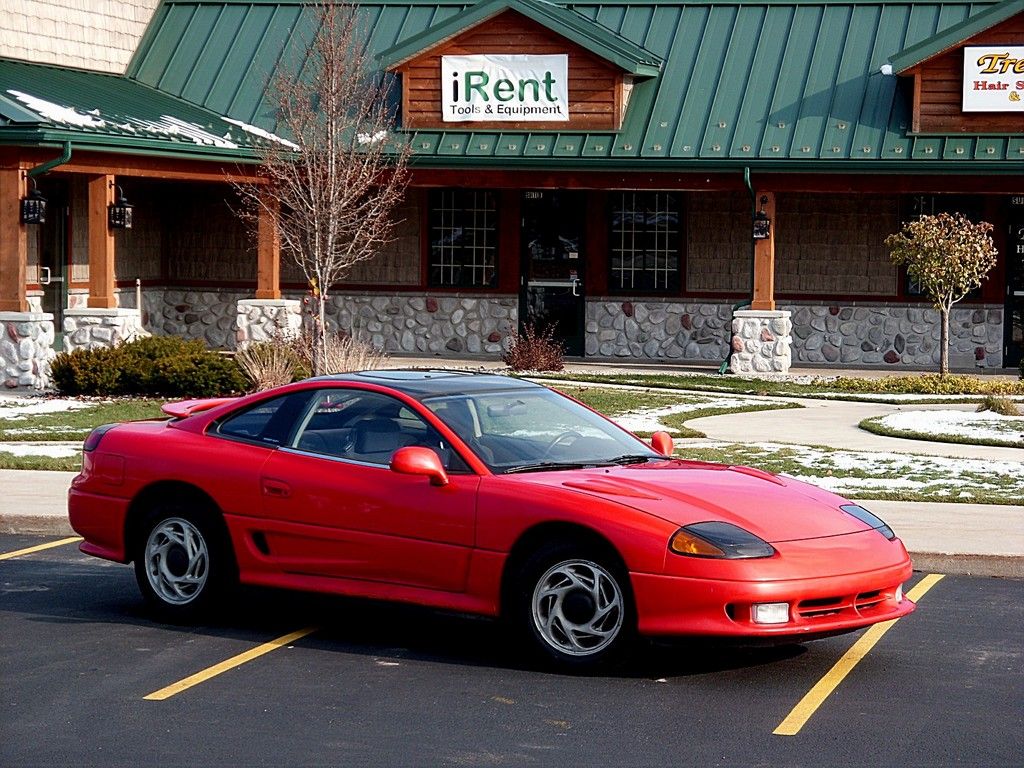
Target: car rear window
x: 270, y: 421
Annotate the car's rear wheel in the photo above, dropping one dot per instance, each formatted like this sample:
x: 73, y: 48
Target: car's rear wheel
x: 575, y: 607
x: 183, y: 564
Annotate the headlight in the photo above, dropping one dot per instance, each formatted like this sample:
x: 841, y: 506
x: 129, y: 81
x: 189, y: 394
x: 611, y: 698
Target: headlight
x: 869, y: 519
x: 722, y: 540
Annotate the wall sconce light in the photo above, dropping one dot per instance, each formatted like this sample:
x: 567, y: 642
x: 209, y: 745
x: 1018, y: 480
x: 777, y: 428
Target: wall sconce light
x: 33, y: 207
x: 762, y: 224
x: 119, y: 213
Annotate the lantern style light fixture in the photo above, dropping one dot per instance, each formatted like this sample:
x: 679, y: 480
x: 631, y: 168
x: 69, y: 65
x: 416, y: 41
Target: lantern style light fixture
x: 119, y: 212
x: 762, y: 224
x: 33, y: 207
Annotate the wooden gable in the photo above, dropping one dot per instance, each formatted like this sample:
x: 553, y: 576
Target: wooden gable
x: 597, y: 88
x: 938, y: 88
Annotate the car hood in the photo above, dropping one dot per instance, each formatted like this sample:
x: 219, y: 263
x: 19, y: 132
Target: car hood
x: 682, y: 492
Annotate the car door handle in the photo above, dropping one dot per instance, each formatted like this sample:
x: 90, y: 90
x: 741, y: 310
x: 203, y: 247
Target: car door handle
x: 276, y: 488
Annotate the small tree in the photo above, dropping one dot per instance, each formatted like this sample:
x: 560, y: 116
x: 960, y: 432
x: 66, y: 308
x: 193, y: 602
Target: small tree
x: 948, y: 256
x: 338, y: 171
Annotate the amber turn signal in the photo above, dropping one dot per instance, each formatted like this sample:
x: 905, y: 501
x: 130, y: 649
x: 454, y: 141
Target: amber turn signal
x: 685, y: 543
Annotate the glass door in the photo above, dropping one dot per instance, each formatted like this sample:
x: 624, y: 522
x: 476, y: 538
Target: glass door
x: 552, y: 295
x: 1014, y: 317
x: 53, y: 257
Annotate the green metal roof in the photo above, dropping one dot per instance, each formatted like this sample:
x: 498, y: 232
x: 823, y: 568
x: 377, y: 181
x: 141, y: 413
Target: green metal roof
x: 953, y: 36
x: 44, y: 104
x: 595, y: 38
x: 769, y: 84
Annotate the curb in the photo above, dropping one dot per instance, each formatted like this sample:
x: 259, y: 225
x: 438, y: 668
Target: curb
x: 1000, y: 566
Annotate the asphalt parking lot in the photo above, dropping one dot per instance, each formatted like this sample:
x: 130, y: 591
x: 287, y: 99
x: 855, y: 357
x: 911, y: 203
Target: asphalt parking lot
x: 373, y: 684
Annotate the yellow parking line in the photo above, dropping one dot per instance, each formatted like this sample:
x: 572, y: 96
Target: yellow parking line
x: 39, y: 547
x: 227, y: 664
x: 809, y: 704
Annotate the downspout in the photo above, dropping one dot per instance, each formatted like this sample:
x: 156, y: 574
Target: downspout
x: 49, y: 165
x: 746, y: 302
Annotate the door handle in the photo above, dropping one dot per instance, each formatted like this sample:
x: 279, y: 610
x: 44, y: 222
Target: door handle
x: 47, y: 278
x: 276, y: 488
x: 575, y: 286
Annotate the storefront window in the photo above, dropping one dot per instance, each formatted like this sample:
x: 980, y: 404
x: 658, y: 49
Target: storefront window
x: 463, y: 238
x: 644, y: 241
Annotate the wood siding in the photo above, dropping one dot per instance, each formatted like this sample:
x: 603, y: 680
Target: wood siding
x: 938, y: 89
x: 595, y: 86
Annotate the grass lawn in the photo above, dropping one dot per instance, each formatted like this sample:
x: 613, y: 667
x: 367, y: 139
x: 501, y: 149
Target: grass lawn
x: 75, y: 424
x: 871, y: 475
x: 881, y: 390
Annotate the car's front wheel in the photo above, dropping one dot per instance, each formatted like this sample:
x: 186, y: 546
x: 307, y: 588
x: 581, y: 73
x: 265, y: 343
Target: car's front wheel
x: 182, y: 564
x: 575, y: 607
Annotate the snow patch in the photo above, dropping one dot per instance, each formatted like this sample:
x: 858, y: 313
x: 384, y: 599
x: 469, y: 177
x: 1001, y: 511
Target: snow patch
x: 985, y: 425
x: 16, y: 408
x: 56, y: 113
x: 256, y: 131
x: 58, y: 451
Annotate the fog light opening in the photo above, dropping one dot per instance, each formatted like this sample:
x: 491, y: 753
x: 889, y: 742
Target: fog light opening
x: 770, y: 613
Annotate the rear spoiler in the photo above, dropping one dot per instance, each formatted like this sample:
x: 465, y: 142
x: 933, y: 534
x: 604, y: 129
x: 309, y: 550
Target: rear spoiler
x: 185, y: 408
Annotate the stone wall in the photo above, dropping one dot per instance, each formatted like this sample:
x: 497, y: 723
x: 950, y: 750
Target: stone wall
x: 395, y: 323
x: 861, y: 335
x: 889, y: 336
x: 663, y: 330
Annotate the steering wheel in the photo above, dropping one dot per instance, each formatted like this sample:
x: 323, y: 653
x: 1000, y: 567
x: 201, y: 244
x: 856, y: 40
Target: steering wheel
x: 561, y: 438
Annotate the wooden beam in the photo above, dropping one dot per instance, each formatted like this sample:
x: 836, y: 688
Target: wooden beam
x: 764, y: 258
x: 268, y: 249
x: 101, y: 243
x: 13, y: 242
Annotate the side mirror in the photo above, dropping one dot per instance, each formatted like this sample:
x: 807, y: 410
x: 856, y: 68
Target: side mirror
x: 416, y: 460
x: 662, y: 443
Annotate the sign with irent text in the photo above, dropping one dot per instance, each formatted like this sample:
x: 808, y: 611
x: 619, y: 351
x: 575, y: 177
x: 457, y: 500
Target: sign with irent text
x: 994, y: 78
x: 505, y: 88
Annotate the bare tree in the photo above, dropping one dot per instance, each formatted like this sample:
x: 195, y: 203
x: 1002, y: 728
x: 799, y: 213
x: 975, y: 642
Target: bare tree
x: 339, y: 170
x: 949, y: 256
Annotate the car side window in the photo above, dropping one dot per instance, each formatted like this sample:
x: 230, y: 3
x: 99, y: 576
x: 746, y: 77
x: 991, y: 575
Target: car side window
x: 269, y: 422
x: 367, y: 427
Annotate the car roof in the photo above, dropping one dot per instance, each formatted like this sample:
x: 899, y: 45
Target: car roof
x: 423, y: 383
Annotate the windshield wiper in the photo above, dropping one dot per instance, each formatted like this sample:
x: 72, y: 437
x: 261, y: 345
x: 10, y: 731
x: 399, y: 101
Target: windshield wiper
x: 632, y: 458
x: 544, y: 466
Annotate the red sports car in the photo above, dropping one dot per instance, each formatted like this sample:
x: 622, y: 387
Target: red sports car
x: 483, y: 494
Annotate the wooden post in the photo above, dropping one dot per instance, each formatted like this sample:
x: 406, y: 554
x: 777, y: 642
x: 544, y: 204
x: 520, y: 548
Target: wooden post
x: 764, y: 259
x: 13, y: 241
x: 101, y: 243
x: 268, y: 247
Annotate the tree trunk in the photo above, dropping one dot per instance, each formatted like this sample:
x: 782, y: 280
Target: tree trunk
x: 944, y: 342
x: 321, y: 329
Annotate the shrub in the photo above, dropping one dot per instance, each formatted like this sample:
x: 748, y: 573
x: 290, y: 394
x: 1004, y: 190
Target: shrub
x: 270, y: 363
x: 167, y: 366
x: 1001, y: 405
x: 531, y: 351
x: 343, y: 353
x: 926, y: 384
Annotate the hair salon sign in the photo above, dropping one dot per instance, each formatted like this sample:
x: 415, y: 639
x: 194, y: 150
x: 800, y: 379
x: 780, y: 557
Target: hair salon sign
x: 994, y: 79
x: 505, y: 88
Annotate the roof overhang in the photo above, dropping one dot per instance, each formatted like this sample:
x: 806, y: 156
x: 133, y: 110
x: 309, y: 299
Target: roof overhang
x: 950, y: 38
x: 593, y: 37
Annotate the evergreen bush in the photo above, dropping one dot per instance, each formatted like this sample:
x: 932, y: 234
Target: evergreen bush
x: 166, y: 366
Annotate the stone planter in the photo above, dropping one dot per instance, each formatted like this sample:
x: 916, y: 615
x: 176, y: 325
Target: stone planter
x: 761, y: 342
x: 266, y: 319
x: 26, y: 349
x: 93, y: 327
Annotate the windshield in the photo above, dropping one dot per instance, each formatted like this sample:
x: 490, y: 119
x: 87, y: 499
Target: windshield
x: 536, y: 429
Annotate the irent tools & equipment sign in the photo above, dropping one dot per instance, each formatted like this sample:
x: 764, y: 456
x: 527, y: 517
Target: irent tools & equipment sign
x: 994, y: 79
x: 505, y: 88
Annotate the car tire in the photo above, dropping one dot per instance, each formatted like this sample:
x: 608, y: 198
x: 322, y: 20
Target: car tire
x: 183, y: 562
x: 574, y: 607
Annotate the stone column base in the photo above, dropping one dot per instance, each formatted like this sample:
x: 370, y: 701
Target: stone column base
x: 92, y: 327
x: 267, y: 319
x: 26, y: 349
x: 761, y: 342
